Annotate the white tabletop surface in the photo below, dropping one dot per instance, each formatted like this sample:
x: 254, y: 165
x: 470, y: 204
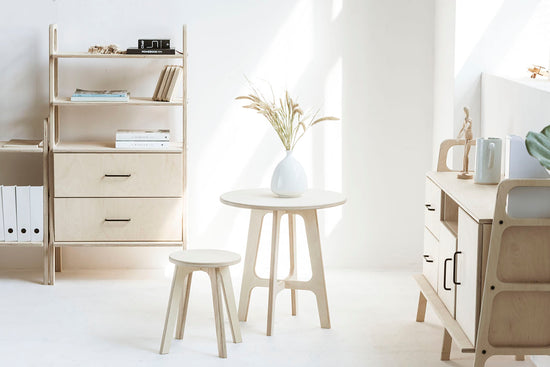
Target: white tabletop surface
x: 267, y: 200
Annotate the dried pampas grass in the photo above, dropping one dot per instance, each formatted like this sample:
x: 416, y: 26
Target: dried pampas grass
x: 285, y: 115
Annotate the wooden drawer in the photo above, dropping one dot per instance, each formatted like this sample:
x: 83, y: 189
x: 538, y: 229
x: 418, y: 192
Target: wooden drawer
x: 430, y: 258
x: 432, y: 207
x: 118, y: 174
x: 118, y: 219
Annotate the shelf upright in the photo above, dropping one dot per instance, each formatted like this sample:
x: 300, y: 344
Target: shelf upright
x: 44, y: 244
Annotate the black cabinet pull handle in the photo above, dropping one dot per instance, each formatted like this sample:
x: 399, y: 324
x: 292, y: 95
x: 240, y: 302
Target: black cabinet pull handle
x: 429, y: 207
x: 126, y: 175
x: 445, y: 274
x: 428, y: 260
x: 117, y: 219
x: 454, y: 267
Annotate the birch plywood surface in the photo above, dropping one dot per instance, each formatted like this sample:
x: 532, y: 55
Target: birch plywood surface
x: 477, y: 200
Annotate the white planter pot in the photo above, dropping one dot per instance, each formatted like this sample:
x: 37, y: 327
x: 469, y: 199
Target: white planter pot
x: 289, y: 178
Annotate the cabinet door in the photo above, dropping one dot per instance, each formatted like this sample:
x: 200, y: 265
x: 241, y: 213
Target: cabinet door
x: 430, y: 259
x: 445, y: 286
x: 467, y: 279
x: 432, y: 207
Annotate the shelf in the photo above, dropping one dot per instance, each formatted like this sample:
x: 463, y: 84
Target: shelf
x: 109, y: 147
x: 86, y: 55
x: 118, y: 244
x: 134, y: 101
x: 21, y: 244
x: 20, y: 149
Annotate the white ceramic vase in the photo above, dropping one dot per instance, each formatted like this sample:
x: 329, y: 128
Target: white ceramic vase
x: 289, y: 178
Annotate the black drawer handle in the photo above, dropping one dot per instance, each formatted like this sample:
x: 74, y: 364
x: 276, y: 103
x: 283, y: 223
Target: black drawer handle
x: 454, y: 267
x: 429, y: 207
x: 127, y: 175
x: 117, y: 219
x: 445, y: 274
x: 428, y: 260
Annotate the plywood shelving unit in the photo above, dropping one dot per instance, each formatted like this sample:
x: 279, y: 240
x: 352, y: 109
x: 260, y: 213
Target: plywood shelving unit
x: 125, y: 214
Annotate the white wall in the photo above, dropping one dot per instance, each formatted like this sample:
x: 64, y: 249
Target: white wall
x: 368, y: 62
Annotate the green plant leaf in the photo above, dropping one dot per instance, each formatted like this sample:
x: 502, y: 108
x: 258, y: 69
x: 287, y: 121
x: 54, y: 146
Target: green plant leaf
x: 546, y: 131
x: 538, y: 145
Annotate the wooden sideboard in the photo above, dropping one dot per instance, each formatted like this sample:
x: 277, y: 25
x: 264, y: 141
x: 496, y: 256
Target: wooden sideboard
x: 458, y: 219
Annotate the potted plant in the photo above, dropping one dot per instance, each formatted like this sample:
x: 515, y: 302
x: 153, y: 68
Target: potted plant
x: 538, y: 145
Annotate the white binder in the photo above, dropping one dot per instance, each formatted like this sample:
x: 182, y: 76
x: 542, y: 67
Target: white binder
x: 1, y: 217
x: 10, y: 218
x: 23, y: 202
x: 37, y: 213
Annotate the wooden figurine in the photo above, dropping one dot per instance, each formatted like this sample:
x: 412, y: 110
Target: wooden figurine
x: 466, y: 132
x: 538, y: 70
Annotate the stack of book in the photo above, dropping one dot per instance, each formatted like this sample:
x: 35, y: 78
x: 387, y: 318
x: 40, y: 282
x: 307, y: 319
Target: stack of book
x: 152, y: 47
x: 82, y: 95
x: 169, y: 79
x: 142, y: 139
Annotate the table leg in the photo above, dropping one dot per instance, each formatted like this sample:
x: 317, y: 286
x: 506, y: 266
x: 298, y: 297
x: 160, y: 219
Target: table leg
x: 249, y: 271
x: 317, y: 271
x: 273, y: 270
x: 292, y: 273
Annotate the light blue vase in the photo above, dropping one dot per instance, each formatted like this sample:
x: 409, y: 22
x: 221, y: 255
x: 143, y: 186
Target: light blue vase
x: 289, y: 178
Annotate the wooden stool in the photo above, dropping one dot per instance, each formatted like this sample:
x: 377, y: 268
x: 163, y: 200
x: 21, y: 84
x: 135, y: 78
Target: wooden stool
x: 216, y: 263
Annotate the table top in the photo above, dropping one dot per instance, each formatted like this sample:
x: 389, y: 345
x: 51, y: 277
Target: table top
x: 477, y: 200
x: 265, y: 199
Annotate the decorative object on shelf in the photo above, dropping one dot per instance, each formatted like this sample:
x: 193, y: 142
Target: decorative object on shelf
x: 538, y: 145
x: 538, y: 70
x: 290, y: 124
x: 170, y: 77
x: 110, y: 49
x: 154, y: 44
x: 466, y: 133
x: 488, y: 160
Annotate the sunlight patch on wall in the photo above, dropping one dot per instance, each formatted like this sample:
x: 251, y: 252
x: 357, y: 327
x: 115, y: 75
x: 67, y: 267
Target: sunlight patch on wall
x: 531, y: 46
x: 473, y: 17
x: 337, y: 6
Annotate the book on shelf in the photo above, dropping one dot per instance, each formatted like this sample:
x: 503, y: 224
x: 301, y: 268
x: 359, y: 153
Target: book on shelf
x: 141, y: 144
x: 19, y: 143
x: 150, y: 51
x: 155, y: 43
x: 100, y: 93
x: 170, y: 77
x: 143, y: 135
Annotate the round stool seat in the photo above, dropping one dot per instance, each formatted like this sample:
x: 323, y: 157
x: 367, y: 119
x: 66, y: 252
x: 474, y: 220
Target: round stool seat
x: 204, y: 258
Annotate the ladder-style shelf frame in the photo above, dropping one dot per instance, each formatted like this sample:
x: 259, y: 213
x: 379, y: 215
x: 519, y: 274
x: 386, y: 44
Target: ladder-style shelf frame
x: 55, y: 145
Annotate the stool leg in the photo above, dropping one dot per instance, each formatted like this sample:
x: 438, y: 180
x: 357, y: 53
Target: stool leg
x: 172, y: 310
x: 292, y: 274
x: 249, y: 270
x: 227, y: 287
x: 218, y: 311
x: 273, y: 270
x: 317, y: 270
x: 182, y: 314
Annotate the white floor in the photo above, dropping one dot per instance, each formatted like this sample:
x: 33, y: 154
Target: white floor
x: 115, y: 318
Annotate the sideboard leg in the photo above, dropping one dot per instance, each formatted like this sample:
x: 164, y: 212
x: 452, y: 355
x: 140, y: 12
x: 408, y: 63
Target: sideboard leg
x: 421, y: 312
x: 446, y: 347
x: 520, y: 358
